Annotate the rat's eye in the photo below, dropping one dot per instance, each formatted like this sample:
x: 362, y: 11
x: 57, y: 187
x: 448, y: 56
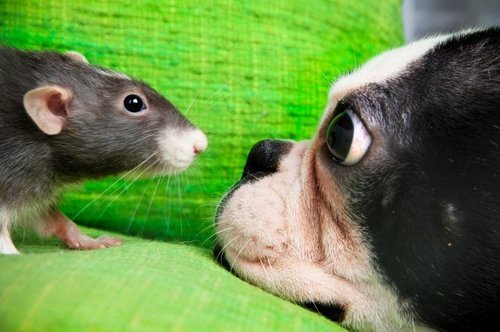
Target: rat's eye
x: 347, y: 138
x: 134, y: 104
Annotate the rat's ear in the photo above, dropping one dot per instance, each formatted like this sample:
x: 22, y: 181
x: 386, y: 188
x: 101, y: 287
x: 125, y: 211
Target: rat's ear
x: 48, y: 106
x: 76, y: 56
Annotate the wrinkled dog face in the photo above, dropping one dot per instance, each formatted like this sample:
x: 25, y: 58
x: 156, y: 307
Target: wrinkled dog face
x: 368, y: 218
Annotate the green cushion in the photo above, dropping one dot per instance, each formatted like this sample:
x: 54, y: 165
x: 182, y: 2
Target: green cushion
x: 142, y: 286
x: 242, y: 70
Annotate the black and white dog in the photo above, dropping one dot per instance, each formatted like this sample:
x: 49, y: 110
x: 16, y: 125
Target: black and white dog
x: 389, y: 218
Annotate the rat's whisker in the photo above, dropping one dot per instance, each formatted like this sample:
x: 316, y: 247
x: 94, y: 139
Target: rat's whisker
x: 136, y: 209
x: 133, y: 177
x: 216, y: 103
x: 191, y: 104
x: 181, y: 205
x: 166, y: 219
x: 160, y: 179
x: 196, y: 170
x: 111, y: 185
x: 219, y: 90
x: 124, y: 189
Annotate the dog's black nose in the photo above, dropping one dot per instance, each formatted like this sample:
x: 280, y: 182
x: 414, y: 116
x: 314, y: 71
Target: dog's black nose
x: 264, y: 157
x: 220, y: 257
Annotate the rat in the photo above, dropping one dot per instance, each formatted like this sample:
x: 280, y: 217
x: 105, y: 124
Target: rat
x: 62, y: 121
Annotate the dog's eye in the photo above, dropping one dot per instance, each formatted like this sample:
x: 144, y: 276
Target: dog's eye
x: 347, y: 138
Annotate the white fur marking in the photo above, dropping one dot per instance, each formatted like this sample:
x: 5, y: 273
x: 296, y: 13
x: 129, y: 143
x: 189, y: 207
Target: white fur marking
x: 381, y: 68
x: 6, y: 245
x: 179, y: 147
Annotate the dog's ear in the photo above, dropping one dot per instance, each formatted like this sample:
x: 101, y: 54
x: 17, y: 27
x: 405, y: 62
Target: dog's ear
x: 47, y: 106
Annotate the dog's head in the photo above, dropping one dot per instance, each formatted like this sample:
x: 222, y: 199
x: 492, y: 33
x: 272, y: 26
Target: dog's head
x: 389, y: 216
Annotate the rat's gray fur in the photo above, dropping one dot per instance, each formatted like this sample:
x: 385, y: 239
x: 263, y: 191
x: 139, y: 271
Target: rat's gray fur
x: 98, y: 138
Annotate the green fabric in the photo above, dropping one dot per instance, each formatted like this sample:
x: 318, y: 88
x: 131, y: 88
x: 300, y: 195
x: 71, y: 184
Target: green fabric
x: 245, y: 70
x: 142, y: 286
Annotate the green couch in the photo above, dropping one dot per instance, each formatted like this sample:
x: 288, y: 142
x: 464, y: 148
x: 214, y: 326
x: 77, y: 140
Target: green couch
x: 242, y: 71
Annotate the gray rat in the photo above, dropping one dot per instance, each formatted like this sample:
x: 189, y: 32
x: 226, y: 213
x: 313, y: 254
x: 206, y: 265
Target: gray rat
x: 63, y: 120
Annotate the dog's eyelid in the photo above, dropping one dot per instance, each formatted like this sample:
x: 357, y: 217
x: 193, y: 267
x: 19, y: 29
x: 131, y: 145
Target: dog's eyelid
x: 341, y: 106
x: 344, y: 105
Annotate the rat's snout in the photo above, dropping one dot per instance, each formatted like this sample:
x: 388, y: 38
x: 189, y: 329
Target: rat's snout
x: 200, y: 142
x: 264, y: 157
x: 179, y: 147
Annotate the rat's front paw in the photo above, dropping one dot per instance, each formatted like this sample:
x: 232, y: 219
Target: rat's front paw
x: 56, y: 223
x: 84, y: 242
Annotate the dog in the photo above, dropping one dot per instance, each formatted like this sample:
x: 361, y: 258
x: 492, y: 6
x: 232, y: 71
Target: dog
x: 389, y: 218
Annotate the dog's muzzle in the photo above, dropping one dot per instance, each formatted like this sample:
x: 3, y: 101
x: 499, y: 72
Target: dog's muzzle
x: 263, y: 159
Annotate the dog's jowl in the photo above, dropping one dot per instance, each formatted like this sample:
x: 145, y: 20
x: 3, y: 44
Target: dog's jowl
x: 389, y: 218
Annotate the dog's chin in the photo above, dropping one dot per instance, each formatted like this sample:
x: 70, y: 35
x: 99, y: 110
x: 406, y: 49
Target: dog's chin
x: 258, y: 272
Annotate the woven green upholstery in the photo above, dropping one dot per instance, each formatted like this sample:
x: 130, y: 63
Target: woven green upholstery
x: 142, y: 286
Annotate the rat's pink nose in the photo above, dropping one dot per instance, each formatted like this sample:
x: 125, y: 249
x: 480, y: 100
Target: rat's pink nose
x: 200, y: 142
